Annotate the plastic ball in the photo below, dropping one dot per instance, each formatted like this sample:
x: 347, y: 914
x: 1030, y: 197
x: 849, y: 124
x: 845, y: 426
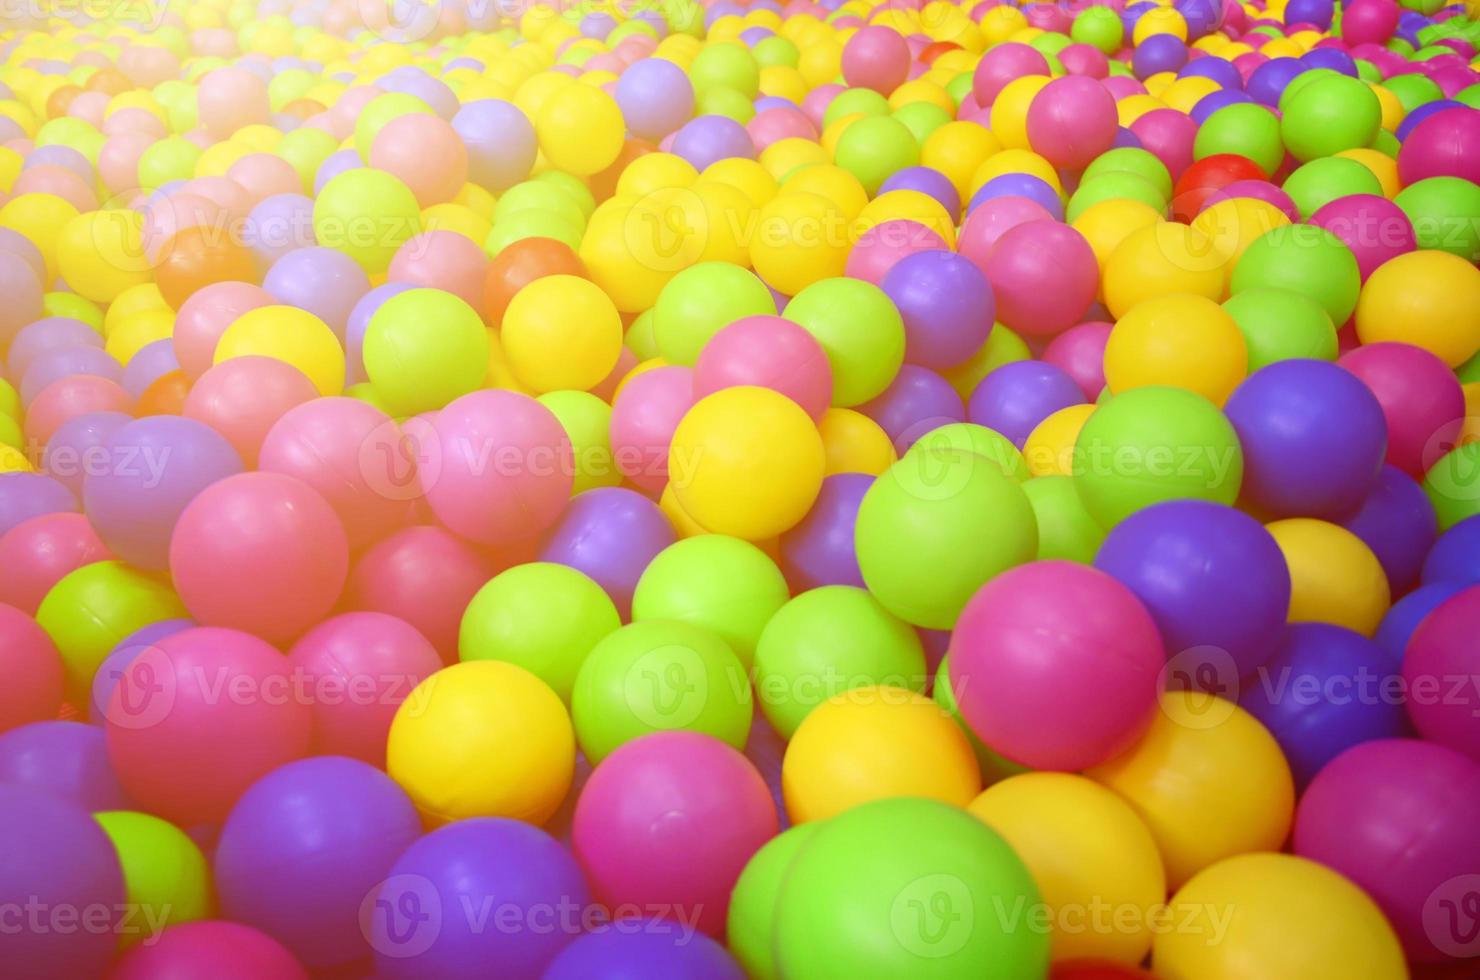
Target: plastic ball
x: 1071, y: 121
x: 1433, y: 203
x: 1281, y: 324
x: 1016, y: 398
x: 367, y: 214
x: 1425, y: 298
x: 423, y: 348
x: 521, y: 263
x: 1186, y: 341
x: 1161, y: 258
x: 293, y: 336
x: 698, y: 302
x: 767, y: 352
x: 1334, y: 576
x: 165, y: 875
x: 657, y: 947
x: 859, y: 329
x: 1327, y: 115
x: 38, y: 553
x: 751, y: 924
x: 228, y: 950
x: 64, y: 759
x: 1043, y: 275
x: 876, y: 57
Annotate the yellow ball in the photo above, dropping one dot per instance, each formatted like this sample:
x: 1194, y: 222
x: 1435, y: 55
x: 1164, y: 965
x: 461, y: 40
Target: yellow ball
x: 291, y: 335
x: 747, y: 176
x: 561, y: 332
x: 41, y: 218
x: 101, y: 253
x: 1334, y: 576
x: 1383, y: 167
x: 1009, y: 116
x: 1430, y: 299
x: 874, y: 743
x: 833, y: 183
x: 136, y: 331
x: 791, y: 154
x: 1108, y: 223
x: 1165, y: 257
x: 1233, y: 224
x: 616, y: 250
x: 956, y: 149
x: 907, y: 205
x: 1016, y: 161
x: 854, y: 443
x: 1208, y: 780
x: 1180, y: 340
x: 799, y: 239
x: 747, y: 462
x: 1093, y: 859
x: 1049, y: 448
x: 482, y: 739
x: 655, y: 171
x: 1160, y: 20
x: 135, y: 299
x: 580, y: 129
x: 458, y: 219
x: 1276, y: 917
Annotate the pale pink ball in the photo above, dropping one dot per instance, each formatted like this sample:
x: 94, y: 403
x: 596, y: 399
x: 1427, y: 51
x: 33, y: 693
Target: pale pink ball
x: 426, y: 153
x: 204, y: 317
x: 230, y: 98
x: 442, y: 260
x: 243, y: 397
x: 265, y: 174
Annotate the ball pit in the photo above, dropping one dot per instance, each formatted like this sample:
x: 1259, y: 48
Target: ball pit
x: 430, y: 437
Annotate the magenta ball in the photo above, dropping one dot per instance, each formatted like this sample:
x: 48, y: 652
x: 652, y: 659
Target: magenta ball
x: 767, y: 352
x: 1442, y: 649
x: 885, y: 244
x: 1080, y: 353
x: 1002, y: 64
x: 1071, y: 121
x: 714, y: 811
x: 876, y: 57
x: 644, y: 417
x: 1396, y: 816
x: 1374, y: 228
x: 1369, y: 21
x: 1062, y: 639
x: 37, y: 553
x: 947, y: 306
x: 1421, y: 400
x: 1044, y: 275
x: 213, y: 948
x: 993, y: 218
x: 1445, y: 144
x: 268, y: 529
x: 610, y: 534
x: 1168, y: 135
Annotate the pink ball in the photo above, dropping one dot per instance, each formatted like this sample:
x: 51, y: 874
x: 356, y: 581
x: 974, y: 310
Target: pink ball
x: 1000, y: 65
x: 243, y: 397
x: 204, y: 317
x: 815, y: 102
x: 1421, y: 400
x: 1396, y: 816
x: 165, y: 217
x: 1071, y: 121
x: 1080, y: 353
x: 32, y: 669
x: 767, y: 352
x: 1441, y: 649
x: 644, y: 418
x: 357, y: 669
x: 340, y: 447
x: 783, y: 122
x: 879, y: 248
x: 426, y: 153
x: 118, y: 160
x: 423, y: 575
x: 1261, y: 190
x: 224, y: 192
x: 506, y: 467
x: 58, y: 182
x: 38, y: 553
x: 1168, y: 135
x: 1369, y: 21
x: 213, y: 948
x: 133, y: 120
x: 230, y: 98
x: 1124, y: 86
x: 442, y: 260
x: 69, y: 397
x: 1056, y: 639
x: 22, y: 290
x: 1446, y: 144
x: 199, y: 716
x: 1082, y: 59
x: 876, y: 57
x: 1045, y: 277
x: 269, y: 530
x: 668, y: 821
x: 265, y: 174
x: 992, y: 219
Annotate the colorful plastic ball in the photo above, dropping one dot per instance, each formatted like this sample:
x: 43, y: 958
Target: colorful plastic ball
x: 645, y: 414
x: 291, y: 335
x: 1083, y: 845
x: 849, y: 881
x: 244, y: 397
x: 481, y: 739
x: 751, y: 924
x: 1197, y: 184
x: 655, y: 96
x: 227, y: 950
x: 700, y: 301
x: 1071, y: 121
x: 1165, y: 257
x: 1325, y: 180
x: 1435, y: 656
x: 1373, y: 227
x: 657, y: 948
x: 367, y: 214
x: 1280, y: 325
x: 946, y: 303
x: 32, y: 661
x: 1327, y: 115
x: 1420, y: 398
x: 1015, y: 398
x: 799, y: 239
x: 1442, y: 145
x: 1426, y: 298
x: 423, y: 348
x: 1185, y: 340
x: 1065, y: 529
x: 173, y: 739
x: 884, y: 245
x: 1246, y: 129
x: 1044, y: 277
x: 1002, y: 64
x: 561, y: 332
x: 38, y: 553
x: 876, y: 57
x: 166, y: 877
x: 1013, y: 184
x: 1433, y: 205
x: 64, y: 759
x: 203, y: 318
x: 1304, y: 259
x: 767, y: 352
x: 425, y: 576
x: 521, y: 263
x: 580, y: 129
x: 860, y: 330
x: 198, y: 256
x: 323, y: 281
x: 934, y: 527
x: 1334, y: 576
x: 916, y: 402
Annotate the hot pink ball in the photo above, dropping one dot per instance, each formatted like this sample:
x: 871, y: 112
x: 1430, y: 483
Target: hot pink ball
x: 265, y: 174
x: 1124, y: 86
x: 644, y: 417
x: 1168, y: 135
x: 357, y: 668
x: 230, y: 98
x: 38, y: 553
x: 69, y: 397
x: 243, y: 397
x: 1080, y: 353
x: 876, y: 57
x: 1071, y: 121
x: 1062, y: 640
x: 505, y: 467
x: 1261, y: 190
x: 767, y: 352
x: 213, y: 948
x: 340, y: 447
x: 32, y: 669
x: 1396, y: 816
x: 1446, y: 144
x: 442, y: 260
x: 272, y: 531
x: 1044, y: 275
x: 1000, y: 65
x: 1082, y: 59
x: 1369, y: 21
x: 668, y: 821
x: 1421, y: 400
x: 199, y: 716
x: 992, y: 219
x: 426, y: 153
x: 1441, y: 649
x: 879, y: 248
x: 204, y: 317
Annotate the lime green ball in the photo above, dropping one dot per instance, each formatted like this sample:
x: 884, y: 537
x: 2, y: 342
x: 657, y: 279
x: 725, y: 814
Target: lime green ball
x: 776, y: 51
x: 934, y: 527
x: 574, y: 187
x: 702, y: 300
x: 587, y: 421
x: 1453, y: 485
x: 1367, y: 71
x: 828, y: 641
x: 1051, y: 43
x: 1445, y: 212
x: 423, y: 348
x: 165, y: 876
x: 379, y: 111
x: 1317, y: 183
x: 1133, y: 160
x: 1281, y: 324
x: 1114, y: 186
x: 538, y: 195
x: 1385, y: 142
x: 172, y: 158
x: 95, y: 608
x: 73, y: 306
x: 893, y: 884
x: 639, y: 338
x: 860, y: 330
x: 862, y: 101
x: 1304, y: 259
x: 533, y: 223
x: 657, y: 676
x: 288, y: 85
x: 368, y: 215
x: 959, y: 88
x: 875, y: 147
x: 728, y: 586
x: 728, y: 65
x: 1469, y: 372
x: 751, y: 924
x: 1152, y: 444
x: 1299, y: 82
x: 967, y: 437
x: 365, y: 392
x: 721, y: 100
x: 994, y: 767
x: 1469, y: 96
x: 306, y: 148
x: 10, y: 401
x: 1099, y: 27
x: 1247, y: 129
x: 1065, y: 529
x: 1413, y: 90
x: 921, y: 119
x: 1329, y: 115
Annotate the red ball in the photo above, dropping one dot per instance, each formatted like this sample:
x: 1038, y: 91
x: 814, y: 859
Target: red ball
x: 1212, y: 173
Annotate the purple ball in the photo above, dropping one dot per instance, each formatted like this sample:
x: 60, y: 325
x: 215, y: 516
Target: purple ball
x: 597, y: 24
x: 1035, y: 189
x: 48, y: 333
x: 650, y: 950
x: 419, y: 929
x: 335, y: 164
x: 77, y: 446
x: 61, y: 156
x: 324, y: 281
x: 1455, y: 557
x: 610, y: 534
x: 1314, y: 438
x: 655, y: 96
x: 1403, y: 618
x: 947, y: 306
x: 359, y: 321
x: 709, y: 139
x: 1158, y: 53
x: 27, y: 495
x: 916, y: 401
x: 1267, y: 82
x: 304, y: 846
x: 113, y: 665
x: 55, y: 857
x: 1422, y: 112
x: 500, y: 140
x: 1220, y: 70
x: 1398, y: 523
x: 153, y: 469
x: 819, y: 551
x: 1203, y: 17
x: 1212, y: 578
x: 1332, y: 58
x: 64, y: 759
x: 1213, y: 101
x: 928, y: 181
x: 65, y: 362
x: 1015, y: 397
x: 278, y: 225
x: 1326, y: 689
x: 148, y: 365
x: 1317, y: 13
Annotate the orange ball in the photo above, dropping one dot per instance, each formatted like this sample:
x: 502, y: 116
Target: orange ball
x: 60, y: 101
x: 166, y: 396
x: 520, y: 264
x: 604, y: 182
x: 109, y: 81
x: 199, y: 256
